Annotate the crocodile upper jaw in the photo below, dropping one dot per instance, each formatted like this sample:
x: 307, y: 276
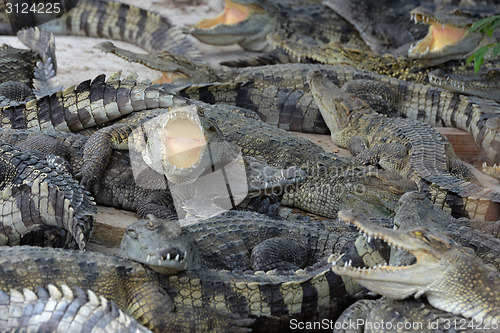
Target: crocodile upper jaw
x: 444, y: 40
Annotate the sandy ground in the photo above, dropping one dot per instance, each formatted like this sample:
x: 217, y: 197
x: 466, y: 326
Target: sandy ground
x: 78, y: 60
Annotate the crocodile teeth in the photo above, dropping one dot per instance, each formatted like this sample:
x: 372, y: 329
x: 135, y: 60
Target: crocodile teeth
x: 177, y: 257
x: 168, y: 256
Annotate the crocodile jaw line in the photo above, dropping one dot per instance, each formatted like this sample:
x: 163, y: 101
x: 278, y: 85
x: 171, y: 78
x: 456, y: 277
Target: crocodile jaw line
x: 396, y: 282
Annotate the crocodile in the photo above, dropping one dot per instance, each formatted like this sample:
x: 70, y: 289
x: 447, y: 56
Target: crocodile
x: 451, y: 277
x: 247, y: 22
x: 387, y: 32
x: 77, y: 311
x: 246, y: 246
x: 264, y: 244
x: 485, y: 83
x: 449, y: 36
x: 119, y: 185
x: 134, y: 289
x: 396, y: 66
x: 414, y: 149
x: 39, y: 199
x: 119, y: 21
x: 281, y: 96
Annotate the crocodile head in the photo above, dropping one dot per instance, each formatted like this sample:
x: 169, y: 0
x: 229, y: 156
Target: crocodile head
x: 336, y: 106
x: 485, y: 84
x: 242, y: 22
x: 451, y: 277
x: 159, y: 245
x: 448, y: 36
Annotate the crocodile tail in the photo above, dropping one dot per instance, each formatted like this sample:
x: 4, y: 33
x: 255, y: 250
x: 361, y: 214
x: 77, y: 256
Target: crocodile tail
x: 92, y: 102
x: 128, y: 23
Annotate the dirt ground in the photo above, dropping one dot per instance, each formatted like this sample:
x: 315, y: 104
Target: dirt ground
x: 79, y: 60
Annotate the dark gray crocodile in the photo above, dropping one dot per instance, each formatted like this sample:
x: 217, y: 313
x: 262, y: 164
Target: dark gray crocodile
x: 38, y: 198
x: 237, y: 244
x: 247, y: 22
x: 414, y: 149
x: 485, y: 84
x: 54, y: 309
x: 133, y: 288
x: 251, y: 241
x: 451, y: 277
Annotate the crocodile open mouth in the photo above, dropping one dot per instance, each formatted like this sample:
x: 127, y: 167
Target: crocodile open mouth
x: 183, y: 139
x: 233, y: 13
x: 167, y: 261
x: 439, y: 36
x: 394, y: 281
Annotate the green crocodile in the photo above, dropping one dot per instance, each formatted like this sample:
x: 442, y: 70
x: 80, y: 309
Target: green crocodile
x: 451, y: 277
x: 61, y: 308
x: 414, y: 149
x: 247, y: 22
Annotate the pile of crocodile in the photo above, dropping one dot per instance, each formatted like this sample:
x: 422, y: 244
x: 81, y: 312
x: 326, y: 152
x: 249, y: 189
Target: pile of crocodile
x: 242, y: 224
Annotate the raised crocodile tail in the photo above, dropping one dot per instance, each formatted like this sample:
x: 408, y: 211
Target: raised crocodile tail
x: 91, y: 103
x: 128, y: 23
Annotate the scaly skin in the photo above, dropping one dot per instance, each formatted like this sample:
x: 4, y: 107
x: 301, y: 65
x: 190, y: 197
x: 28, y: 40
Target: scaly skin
x: 280, y: 95
x: 416, y: 210
x: 133, y: 288
x: 451, y: 277
x: 413, y: 149
x: 78, y: 311
x: 262, y: 245
x: 119, y: 21
x: 388, y: 31
x: 119, y: 186
x: 91, y: 103
x: 332, y: 180
x: 222, y: 251
x: 247, y: 22
x: 485, y: 84
x: 37, y: 196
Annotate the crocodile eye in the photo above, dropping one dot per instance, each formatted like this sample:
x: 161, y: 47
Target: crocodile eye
x: 201, y: 112
x: 151, y: 225
x: 493, y: 72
